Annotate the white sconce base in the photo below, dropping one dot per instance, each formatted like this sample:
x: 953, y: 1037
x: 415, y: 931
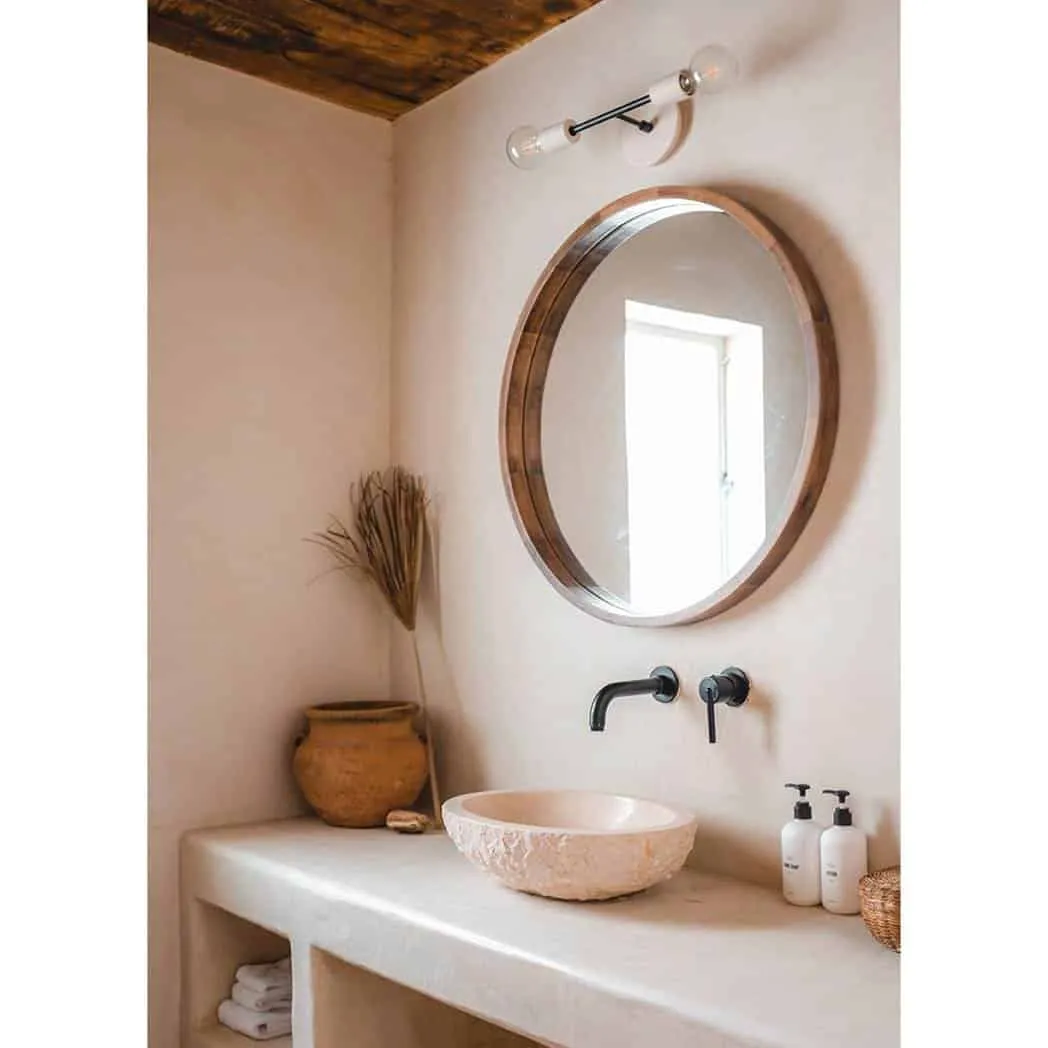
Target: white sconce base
x: 647, y: 150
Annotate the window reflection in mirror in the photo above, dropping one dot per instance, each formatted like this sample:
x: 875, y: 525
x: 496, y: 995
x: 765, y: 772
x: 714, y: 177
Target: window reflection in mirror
x: 694, y: 420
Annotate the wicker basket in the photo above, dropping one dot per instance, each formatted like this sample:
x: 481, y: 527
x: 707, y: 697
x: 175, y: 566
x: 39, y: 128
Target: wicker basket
x: 879, y: 895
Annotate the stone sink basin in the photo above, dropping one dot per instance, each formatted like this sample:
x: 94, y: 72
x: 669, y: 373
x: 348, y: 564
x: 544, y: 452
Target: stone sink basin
x: 570, y: 844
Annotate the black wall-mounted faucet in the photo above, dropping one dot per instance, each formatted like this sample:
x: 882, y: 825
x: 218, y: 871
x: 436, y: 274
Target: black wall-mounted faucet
x: 731, y: 686
x: 662, y: 683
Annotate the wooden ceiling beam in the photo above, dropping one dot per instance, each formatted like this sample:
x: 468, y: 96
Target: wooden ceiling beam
x: 383, y: 57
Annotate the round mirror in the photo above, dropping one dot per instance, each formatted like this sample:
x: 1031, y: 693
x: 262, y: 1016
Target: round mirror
x: 669, y: 407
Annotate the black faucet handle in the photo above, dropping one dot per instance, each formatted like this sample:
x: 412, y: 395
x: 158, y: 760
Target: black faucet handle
x: 731, y: 687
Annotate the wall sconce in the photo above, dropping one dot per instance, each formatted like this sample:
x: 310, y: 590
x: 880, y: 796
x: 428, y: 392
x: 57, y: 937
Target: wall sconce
x: 710, y: 69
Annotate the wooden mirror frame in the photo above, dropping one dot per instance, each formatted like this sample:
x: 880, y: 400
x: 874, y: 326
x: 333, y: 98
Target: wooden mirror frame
x: 524, y: 379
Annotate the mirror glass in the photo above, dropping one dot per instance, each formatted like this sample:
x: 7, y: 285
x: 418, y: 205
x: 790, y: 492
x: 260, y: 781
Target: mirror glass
x: 674, y: 411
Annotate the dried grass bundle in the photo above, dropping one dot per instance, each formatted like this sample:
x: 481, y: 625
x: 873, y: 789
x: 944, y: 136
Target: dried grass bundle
x: 386, y: 543
x: 387, y: 539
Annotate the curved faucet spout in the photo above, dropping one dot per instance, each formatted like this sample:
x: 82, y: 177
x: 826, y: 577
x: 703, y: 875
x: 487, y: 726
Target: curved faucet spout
x: 662, y: 683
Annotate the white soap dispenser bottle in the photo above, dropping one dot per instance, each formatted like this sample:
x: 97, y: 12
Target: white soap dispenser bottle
x: 842, y: 859
x: 800, y: 852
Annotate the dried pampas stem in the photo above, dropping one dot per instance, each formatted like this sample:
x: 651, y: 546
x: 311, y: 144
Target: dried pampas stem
x: 386, y: 544
x: 434, y: 789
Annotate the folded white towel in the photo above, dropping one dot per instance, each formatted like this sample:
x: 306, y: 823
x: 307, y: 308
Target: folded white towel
x: 266, y: 976
x: 278, y: 1000
x: 262, y: 1026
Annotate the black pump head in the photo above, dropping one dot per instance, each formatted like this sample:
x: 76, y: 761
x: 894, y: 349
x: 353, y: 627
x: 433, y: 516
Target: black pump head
x: 802, y: 808
x: 841, y: 815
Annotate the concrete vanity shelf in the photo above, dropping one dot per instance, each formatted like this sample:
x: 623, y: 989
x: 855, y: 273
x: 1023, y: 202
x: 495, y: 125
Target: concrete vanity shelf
x: 398, y: 942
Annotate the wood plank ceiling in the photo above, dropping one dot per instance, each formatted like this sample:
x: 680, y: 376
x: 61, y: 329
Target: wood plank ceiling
x: 383, y: 57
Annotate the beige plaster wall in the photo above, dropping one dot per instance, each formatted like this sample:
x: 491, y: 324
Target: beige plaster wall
x: 810, y: 137
x: 270, y: 260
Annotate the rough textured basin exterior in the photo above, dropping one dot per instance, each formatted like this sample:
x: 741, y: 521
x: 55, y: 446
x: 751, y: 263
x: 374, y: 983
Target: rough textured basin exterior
x: 570, y: 844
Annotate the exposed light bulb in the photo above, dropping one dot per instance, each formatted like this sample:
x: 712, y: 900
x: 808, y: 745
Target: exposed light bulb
x: 714, y: 68
x: 522, y: 147
x: 527, y: 146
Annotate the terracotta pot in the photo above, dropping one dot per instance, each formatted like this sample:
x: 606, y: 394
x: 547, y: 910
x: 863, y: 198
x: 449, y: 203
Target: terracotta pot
x: 360, y: 760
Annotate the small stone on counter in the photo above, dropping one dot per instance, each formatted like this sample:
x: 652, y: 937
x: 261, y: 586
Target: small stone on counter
x: 408, y: 821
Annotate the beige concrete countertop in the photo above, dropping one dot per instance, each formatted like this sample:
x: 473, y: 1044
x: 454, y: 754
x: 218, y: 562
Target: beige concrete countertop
x: 698, y: 961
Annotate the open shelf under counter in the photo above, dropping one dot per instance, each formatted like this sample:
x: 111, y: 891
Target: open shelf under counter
x: 700, y: 960
x: 218, y: 1036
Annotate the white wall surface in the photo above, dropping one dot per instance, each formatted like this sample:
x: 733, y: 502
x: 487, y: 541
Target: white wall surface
x: 270, y: 229
x: 810, y: 138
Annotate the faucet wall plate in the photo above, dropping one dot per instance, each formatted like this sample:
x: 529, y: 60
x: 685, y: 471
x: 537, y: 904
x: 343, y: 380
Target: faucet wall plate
x: 671, y: 688
x: 742, y: 686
